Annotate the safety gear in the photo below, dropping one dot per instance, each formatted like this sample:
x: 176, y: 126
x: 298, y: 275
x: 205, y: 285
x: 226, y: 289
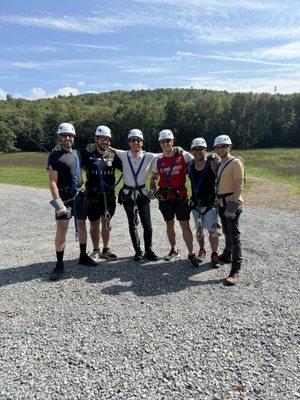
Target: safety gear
x: 165, y: 134
x: 198, y: 142
x: 103, y: 131
x: 65, y: 127
x: 172, y: 256
x: 222, y: 139
x: 135, y: 133
x: 193, y: 260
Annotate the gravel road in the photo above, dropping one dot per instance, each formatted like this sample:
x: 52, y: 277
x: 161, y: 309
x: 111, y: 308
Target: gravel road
x: 126, y: 330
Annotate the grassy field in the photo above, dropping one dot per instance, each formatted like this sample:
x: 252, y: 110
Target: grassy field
x: 29, y: 169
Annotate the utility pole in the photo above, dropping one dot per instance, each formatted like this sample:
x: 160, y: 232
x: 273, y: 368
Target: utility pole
x: 275, y: 89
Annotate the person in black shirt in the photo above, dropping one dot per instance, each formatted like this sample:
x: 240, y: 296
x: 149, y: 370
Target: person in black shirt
x: 69, y: 199
x: 202, y: 175
x: 100, y: 164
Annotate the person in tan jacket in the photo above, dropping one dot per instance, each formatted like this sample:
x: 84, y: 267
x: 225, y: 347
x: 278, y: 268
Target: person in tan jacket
x: 229, y: 187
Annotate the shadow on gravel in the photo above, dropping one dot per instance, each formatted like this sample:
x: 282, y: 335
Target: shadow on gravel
x: 143, y: 279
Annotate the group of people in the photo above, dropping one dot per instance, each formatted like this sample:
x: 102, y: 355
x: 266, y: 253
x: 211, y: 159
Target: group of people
x: 216, y: 181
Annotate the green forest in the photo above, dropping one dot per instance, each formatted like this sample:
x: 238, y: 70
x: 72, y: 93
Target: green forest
x: 252, y: 120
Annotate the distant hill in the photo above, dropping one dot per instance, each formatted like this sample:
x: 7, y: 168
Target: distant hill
x: 252, y: 120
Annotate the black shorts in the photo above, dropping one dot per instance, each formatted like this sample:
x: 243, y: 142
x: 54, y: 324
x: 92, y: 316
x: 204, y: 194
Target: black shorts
x: 96, y: 207
x: 81, y: 207
x: 179, y: 207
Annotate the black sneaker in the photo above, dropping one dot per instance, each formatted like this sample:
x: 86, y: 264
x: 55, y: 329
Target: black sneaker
x: 58, y: 272
x: 151, y: 256
x: 193, y: 260
x: 84, y: 259
x: 225, y: 257
x: 138, y: 256
x: 108, y: 254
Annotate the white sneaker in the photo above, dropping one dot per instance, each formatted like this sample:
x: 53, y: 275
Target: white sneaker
x: 95, y: 255
x: 172, y: 256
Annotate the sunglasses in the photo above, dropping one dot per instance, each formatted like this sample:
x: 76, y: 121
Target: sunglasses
x: 166, y: 141
x: 135, y: 140
x: 221, y: 146
x: 198, y: 148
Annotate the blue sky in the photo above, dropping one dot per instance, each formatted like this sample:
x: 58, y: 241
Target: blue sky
x: 61, y: 47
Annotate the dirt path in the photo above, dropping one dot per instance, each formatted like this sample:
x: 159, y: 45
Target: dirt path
x: 269, y: 194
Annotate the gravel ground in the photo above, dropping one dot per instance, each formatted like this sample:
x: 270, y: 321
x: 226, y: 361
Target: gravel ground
x: 124, y: 330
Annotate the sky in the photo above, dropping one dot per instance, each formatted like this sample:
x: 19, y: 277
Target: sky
x: 50, y: 48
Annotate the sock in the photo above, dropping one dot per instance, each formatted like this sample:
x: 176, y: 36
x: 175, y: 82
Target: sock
x: 214, y: 253
x: 82, y: 249
x: 105, y: 249
x: 97, y: 249
x: 59, y: 256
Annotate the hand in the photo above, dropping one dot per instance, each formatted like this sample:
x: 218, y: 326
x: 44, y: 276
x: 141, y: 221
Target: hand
x: 61, y: 211
x: 91, y: 147
x: 178, y: 150
x: 231, y: 209
x: 152, y: 194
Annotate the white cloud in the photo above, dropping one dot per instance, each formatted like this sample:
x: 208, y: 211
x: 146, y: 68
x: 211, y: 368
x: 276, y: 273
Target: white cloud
x: 81, y: 84
x: 287, y: 51
x: 3, y: 94
x: 146, y: 70
x: 66, y: 91
x: 37, y: 93
x: 87, y: 46
x: 288, y: 84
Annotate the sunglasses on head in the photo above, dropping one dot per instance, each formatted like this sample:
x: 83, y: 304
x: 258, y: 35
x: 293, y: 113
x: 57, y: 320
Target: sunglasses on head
x: 135, y: 140
x: 166, y: 141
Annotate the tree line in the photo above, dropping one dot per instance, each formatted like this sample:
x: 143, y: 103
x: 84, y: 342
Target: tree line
x: 251, y: 120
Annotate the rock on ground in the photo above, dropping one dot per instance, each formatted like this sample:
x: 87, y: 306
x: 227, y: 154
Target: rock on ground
x: 125, y: 330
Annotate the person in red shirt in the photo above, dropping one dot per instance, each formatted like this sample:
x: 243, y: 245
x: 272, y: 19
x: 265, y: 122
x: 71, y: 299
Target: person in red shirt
x: 169, y: 172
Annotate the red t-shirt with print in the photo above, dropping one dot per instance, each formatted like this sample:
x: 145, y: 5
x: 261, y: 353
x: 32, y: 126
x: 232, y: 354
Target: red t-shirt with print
x: 176, y: 178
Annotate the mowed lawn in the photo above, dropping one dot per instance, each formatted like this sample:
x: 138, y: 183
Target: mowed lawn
x: 29, y: 169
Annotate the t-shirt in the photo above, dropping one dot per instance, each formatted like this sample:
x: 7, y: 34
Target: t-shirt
x: 68, y: 168
x: 107, y: 163
x: 172, y: 172
x: 144, y: 157
x: 232, y: 172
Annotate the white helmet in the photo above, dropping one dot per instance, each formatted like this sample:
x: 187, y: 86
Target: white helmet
x: 165, y: 134
x: 198, y: 142
x: 222, y: 139
x: 135, y: 133
x: 65, y: 127
x: 103, y: 130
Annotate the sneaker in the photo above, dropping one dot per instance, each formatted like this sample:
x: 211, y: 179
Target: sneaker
x: 138, y: 256
x: 232, y: 279
x: 58, y: 272
x: 108, y: 254
x: 84, y: 259
x: 225, y: 258
x: 172, y: 256
x: 193, y: 260
x: 215, y: 260
x: 95, y: 255
x: 201, y: 255
x: 151, y: 256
